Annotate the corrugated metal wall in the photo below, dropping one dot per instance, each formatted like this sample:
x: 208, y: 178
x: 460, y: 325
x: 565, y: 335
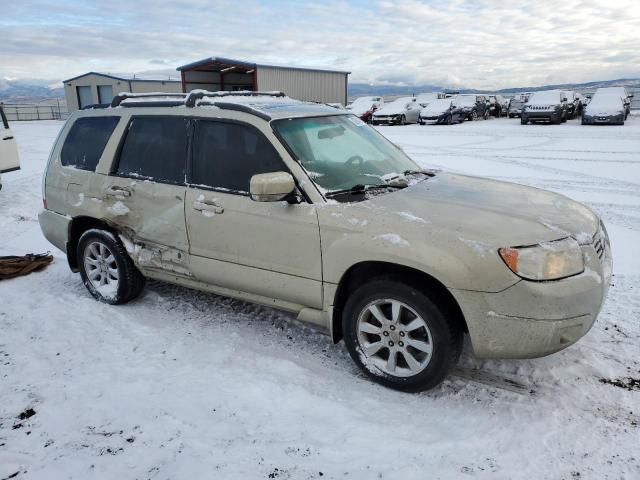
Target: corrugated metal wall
x: 314, y: 86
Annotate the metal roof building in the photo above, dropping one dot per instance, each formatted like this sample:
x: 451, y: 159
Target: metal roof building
x: 99, y: 88
x: 311, y: 84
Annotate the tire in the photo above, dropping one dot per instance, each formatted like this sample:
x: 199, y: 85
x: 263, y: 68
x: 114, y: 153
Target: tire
x: 403, y: 120
x: 583, y: 122
x: 474, y: 115
x: 523, y: 121
x: 485, y: 116
x: 450, y: 120
x: 442, y: 340
x: 118, y: 280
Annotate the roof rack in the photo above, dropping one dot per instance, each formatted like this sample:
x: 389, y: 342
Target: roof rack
x: 163, y: 98
x: 95, y: 106
x: 196, y: 98
x: 196, y: 95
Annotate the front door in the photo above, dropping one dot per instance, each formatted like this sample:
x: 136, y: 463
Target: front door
x: 262, y: 248
x: 145, y: 192
x: 9, y: 160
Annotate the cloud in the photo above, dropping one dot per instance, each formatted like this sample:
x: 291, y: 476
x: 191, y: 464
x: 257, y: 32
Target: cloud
x: 482, y: 44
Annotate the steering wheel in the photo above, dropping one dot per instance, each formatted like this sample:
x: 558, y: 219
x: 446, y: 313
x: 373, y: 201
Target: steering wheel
x: 354, y: 159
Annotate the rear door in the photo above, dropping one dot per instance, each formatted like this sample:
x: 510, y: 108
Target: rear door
x: 144, y: 194
x: 9, y: 160
x: 271, y: 249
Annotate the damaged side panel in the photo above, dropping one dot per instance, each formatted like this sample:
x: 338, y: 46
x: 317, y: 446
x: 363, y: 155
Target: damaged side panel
x: 150, y: 219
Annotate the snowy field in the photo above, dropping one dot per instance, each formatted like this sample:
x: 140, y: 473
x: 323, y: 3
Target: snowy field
x: 187, y: 385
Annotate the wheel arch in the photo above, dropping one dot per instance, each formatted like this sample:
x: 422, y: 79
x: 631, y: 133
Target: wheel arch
x: 365, y: 271
x: 77, y: 227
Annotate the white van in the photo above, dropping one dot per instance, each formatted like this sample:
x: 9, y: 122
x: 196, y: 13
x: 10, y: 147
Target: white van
x: 9, y: 160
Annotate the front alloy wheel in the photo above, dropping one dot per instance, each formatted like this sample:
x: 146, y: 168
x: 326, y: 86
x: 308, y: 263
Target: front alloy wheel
x: 394, y: 338
x: 474, y: 116
x: 399, y: 336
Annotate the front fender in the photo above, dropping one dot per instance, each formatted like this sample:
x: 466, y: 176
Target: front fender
x: 453, y: 261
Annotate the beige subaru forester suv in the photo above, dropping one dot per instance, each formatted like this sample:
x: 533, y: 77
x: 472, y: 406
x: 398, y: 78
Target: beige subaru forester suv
x: 307, y: 209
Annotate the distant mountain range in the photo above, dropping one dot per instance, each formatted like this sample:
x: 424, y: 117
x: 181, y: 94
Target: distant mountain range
x: 29, y: 90
x: 34, y: 90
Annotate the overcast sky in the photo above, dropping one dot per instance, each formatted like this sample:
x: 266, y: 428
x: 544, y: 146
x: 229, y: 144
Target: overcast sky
x: 452, y: 43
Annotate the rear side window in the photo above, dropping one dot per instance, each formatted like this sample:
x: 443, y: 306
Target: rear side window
x: 86, y: 140
x: 155, y: 148
x: 227, y: 155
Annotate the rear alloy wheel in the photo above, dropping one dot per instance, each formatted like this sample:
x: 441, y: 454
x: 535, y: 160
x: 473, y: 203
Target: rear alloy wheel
x: 450, y: 120
x: 399, y: 337
x: 486, y: 115
x: 474, y: 116
x: 106, y: 269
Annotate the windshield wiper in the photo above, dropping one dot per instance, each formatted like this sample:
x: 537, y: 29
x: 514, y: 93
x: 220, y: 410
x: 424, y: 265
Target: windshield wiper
x: 428, y: 173
x: 361, y: 188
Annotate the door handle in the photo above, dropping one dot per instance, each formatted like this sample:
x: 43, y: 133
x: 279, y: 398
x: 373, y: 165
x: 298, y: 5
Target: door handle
x: 115, y: 191
x: 207, y: 206
x: 8, y: 138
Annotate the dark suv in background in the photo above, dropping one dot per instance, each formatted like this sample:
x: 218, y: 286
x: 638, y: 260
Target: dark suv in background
x: 474, y: 106
x: 545, y: 106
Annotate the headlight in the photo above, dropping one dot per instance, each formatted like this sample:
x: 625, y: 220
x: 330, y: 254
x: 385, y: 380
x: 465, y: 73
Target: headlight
x: 546, y: 261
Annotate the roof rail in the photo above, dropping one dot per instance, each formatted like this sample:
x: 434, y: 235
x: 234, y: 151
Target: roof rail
x: 196, y: 95
x: 238, y: 107
x: 118, y: 99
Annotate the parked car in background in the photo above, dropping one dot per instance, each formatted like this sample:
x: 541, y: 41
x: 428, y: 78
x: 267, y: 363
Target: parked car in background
x: 545, y: 106
x: 474, y: 106
x: 515, y: 107
x: 337, y: 106
x: 441, y: 111
x: 605, y: 108
x: 620, y: 92
x: 399, y: 112
x: 497, y: 105
x: 9, y: 160
x: 574, y: 105
x: 364, y: 107
x: 305, y: 208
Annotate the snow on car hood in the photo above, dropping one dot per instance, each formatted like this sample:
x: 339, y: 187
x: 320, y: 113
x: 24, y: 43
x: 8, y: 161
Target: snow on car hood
x: 391, y: 109
x: 605, y: 106
x: 489, y: 211
x: 433, y: 112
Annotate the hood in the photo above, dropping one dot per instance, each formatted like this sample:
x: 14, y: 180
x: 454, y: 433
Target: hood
x: 492, y: 212
x: 603, y: 109
x: 433, y: 112
x: 390, y: 110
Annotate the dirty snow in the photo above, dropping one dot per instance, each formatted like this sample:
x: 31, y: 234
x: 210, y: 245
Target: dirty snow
x: 393, y: 239
x: 183, y: 384
x: 118, y: 209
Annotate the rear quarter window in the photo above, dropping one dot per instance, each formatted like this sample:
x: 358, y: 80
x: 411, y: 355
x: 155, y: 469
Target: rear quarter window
x: 86, y: 141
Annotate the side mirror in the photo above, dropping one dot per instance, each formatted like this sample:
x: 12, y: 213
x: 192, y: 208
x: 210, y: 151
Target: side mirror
x: 271, y: 187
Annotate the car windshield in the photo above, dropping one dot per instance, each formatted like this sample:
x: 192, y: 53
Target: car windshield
x: 465, y: 101
x: 517, y: 103
x: 341, y: 152
x: 551, y: 96
x: 361, y: 104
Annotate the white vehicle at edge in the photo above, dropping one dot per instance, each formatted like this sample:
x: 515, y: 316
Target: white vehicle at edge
x: 399, y: 112
x: 9, y: 160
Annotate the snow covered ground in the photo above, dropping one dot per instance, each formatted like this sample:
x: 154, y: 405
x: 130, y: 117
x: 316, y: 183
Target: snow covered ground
x: 182, y: 384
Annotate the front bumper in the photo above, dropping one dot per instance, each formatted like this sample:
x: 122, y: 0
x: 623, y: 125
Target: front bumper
x: 534, y: 319
x: 387, y: 120
x: 542, y: 115
x: 432, y: 120
x: 603, y: 119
